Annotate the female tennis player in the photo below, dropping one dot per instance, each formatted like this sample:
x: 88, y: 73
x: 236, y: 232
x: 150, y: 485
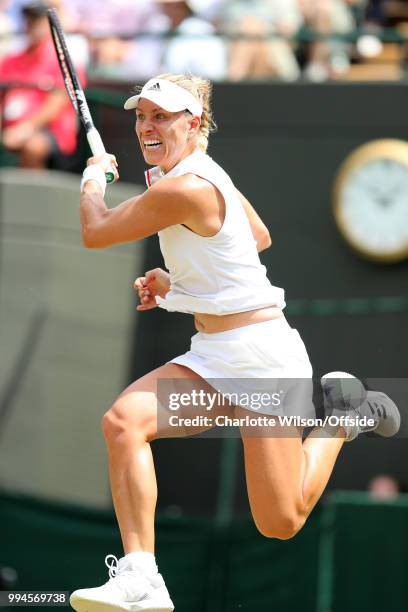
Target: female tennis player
x: 210, y: 237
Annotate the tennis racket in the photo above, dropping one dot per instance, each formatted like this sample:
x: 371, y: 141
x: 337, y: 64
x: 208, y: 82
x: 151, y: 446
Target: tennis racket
x: 74, y: 89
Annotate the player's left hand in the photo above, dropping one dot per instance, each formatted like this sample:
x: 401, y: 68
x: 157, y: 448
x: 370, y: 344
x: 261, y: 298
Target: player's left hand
x: 154, y: 282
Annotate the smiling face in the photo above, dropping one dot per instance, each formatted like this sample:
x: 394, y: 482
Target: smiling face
x: 165, y: 138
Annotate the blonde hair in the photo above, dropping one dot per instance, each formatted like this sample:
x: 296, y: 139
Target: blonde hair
x: 202, y: 90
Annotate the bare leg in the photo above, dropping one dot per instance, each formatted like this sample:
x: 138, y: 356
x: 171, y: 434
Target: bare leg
x: 285, y: 478
x: 129, y: 427
x: 319, y: 456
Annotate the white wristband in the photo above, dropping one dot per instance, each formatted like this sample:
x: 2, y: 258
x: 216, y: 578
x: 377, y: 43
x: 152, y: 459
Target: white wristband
x: 94, y: 173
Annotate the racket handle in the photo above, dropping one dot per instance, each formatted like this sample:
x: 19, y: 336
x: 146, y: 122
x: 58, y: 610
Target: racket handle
x: 97, y: 147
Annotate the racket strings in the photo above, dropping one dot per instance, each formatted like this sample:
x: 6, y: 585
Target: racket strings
x: 65, y: 70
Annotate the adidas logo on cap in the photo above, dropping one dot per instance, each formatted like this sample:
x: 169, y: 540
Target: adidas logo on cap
x: 155, y: 87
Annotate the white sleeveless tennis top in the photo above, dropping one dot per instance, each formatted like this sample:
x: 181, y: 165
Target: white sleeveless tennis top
x: 220, y: 274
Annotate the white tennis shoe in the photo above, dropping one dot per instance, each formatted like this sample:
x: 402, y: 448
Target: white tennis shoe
x: 344, y: 395
x: 128, y: 588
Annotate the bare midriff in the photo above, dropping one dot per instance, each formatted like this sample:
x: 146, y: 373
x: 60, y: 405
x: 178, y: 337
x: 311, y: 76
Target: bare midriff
x: 211, y: 324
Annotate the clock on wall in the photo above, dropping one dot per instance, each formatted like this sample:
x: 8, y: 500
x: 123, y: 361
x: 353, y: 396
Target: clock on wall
x: 370, y: 201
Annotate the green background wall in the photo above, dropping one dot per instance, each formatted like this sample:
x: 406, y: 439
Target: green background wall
x: 352, y: 556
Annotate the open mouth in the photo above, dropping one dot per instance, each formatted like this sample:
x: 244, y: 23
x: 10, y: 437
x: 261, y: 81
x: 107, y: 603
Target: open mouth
x: 152, y: 144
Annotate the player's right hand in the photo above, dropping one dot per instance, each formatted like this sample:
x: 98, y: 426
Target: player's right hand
x: 155, y: 282
x: 107, y: 162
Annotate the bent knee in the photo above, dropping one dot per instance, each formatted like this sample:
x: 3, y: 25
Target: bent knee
x: 283, y: 528
x: 128, y: 419
x: 111, y: 425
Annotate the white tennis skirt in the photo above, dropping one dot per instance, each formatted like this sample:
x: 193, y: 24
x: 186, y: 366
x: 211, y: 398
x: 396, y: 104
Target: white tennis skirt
x: 268, y: 357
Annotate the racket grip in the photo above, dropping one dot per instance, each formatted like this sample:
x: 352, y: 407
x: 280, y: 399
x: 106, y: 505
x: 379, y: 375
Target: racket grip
x: 97, y: 147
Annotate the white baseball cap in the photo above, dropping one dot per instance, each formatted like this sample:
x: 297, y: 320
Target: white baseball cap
x: 167, y: 95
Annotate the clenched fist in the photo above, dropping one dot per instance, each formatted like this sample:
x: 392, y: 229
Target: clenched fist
x: 154, y: 282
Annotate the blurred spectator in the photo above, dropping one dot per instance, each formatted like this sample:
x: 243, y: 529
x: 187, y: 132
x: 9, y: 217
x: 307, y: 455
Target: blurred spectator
x: 265, y: 56
x: 15, y: 14
x: 194, y: 48
x: 328, y: 58
x: 39, y: 123
x: 6, y: 24
x: 109, y: 26
x: 383, y: 487
x: 66, y: 13
x: 12, y: 9
x: 374, y: 13
x: 110, y: 17
x: 207, y: 9
x: 181, y: 42
x: 371, y: 21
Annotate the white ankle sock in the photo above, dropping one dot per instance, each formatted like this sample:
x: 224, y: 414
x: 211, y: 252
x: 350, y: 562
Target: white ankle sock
x: 141, y: 560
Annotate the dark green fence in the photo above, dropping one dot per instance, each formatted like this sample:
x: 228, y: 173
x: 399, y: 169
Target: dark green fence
x: 352, y: 555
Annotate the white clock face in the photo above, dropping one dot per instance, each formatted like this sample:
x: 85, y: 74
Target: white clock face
x: 373, y: 206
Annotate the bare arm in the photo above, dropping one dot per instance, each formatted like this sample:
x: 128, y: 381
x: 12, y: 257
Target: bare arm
x: 177, y: 200
x: 166, y: 203
x: 259, y: 230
